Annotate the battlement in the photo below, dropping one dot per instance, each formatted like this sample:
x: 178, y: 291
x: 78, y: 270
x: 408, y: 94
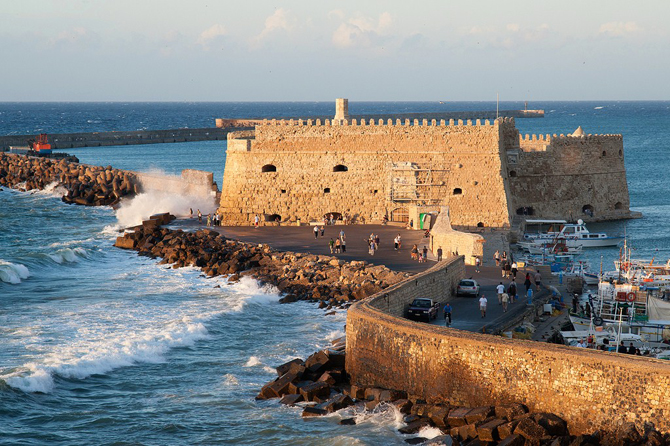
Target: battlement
x: 381, y: 122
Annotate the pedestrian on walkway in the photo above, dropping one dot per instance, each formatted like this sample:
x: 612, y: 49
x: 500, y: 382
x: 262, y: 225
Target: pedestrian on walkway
x: 482, y: 305
x: 199, y: 216
x: 331, y: 244
x: 496, y: 257
x: 257, y: 220
x: 338, y: 246
x: 425, y: 253
x: 508, y: 270
x: 447, y: 315
x: 504, y: 256
x: 526, y: 282
x: 500, y: 289
x: 323, y: 229
x: 478, y: 263
x: 538, y: 280
x: 414, y: 254
x: 343, y: 245
x: 396, y: 242
x: 439, y: 254
x: 511, y: 290
x: 342, y: 235
x: 505, y: 301
x: 316, y: 232
x: 515, y: 269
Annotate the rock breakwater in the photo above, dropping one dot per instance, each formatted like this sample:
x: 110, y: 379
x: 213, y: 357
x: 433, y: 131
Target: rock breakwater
x: 321, y: 386
x: 85, y: 185
x: 298, y: 276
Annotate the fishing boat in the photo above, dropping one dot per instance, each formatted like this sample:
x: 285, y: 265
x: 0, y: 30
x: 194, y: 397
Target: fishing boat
x: 573, y: 234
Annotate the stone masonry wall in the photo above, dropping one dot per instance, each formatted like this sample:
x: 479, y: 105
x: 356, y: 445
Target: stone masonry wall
x: 589, y: 389
x: 467, y: 171
x: 557, y: 176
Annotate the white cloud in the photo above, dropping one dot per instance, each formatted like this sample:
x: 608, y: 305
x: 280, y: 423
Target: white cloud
x: 210, y: 34
x: 362, y: 31
x: 279, y: 20
x: 513, y: 27
x: 618, y: 29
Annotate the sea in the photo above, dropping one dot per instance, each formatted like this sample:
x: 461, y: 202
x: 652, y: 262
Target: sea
x: 101, y: 346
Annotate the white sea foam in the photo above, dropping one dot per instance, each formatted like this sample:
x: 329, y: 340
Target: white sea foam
x: 230, y: 380
x: 430, y: 432
x: 334, y: 334
x: 53, y: 189
x: 598, y: 108
x: 82, y: 359
x: 253, y: 361
x: 13, y: 272
x: 143, y: 205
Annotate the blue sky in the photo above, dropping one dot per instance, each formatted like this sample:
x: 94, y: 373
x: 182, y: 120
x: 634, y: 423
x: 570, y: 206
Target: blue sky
x: 178, y: 50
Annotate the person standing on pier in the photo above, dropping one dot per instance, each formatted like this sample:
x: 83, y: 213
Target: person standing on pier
x: 505, y: 301
x: 257, y: 220
x: 439, y: 254
x: 316, y: 232
x: 500, y: 289
x: 538, y: 280
x: 478, y: 263
x: 199, y: 216
x: 496, y: 257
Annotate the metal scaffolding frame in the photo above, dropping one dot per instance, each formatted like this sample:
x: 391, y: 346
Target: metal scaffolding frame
x: 411, y: 184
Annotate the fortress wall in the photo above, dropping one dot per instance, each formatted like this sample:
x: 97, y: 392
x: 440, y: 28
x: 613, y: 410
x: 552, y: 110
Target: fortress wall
x: 589, y: 389
x: 557, y: 176
x: 304, y: 185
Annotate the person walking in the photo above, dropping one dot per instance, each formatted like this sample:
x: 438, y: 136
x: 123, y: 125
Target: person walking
x: 496, y: 257
x: 343, y: 245
x: 399, y: 242
x: 500, y: 289
x: 414, y: 253
x: 526, y: 282
x: 505, y: 301
x: 257, y: 220
x: 338, y: 246
x: 331, y: 244
x: 511, y: 290
x: 447, y: 315
x: 342, y: 235
x: 482, y: 305
x: 396, y: 242
x: 316, y: 232
x: 515, y: 269
x: 373, y: 247
x: 199, y: 216
x: 323, y: 230
x: 508, y: 269
x: 439, y: 254
x: 503, y: 263
x: 425, y: 253
x: 478, y: 263
x: 190, y: 210
x: 538, y: 280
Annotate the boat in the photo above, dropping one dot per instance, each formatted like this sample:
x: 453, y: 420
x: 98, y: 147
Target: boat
x: 572, y: 234
x: 640, y: 310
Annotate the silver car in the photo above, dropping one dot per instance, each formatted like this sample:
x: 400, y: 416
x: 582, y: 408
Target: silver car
x: 467, y: 287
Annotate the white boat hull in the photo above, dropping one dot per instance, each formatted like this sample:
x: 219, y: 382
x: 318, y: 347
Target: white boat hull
x: 649, y: 331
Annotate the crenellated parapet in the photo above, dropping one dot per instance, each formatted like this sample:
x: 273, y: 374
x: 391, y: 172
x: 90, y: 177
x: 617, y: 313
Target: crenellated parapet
x: 379, y: 123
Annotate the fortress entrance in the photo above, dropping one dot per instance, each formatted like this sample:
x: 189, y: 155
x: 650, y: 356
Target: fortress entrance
x: 400, y: 215
x: 336, y: 216
x: 525, y: 210
x: 272, y: 217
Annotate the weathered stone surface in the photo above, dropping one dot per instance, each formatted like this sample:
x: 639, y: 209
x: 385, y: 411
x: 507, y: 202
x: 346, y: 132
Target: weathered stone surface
x: 404, y: 405
x: 311, y: 411
x: 280, y: 386
x: 478, y: 414
x: 317, y: 389
x: 457, y: 416
x: 510, y: 412
x: 513, y: 440
x: 291, y: 399
x: 348, y: 421
x: 336, y: 403
x: 441, y: 440
x: 553, y: 424
x: 529, y: 429
x: 293, y: 365
x: 414, y: 426
x: 489, y: 431
x: 439, y: 416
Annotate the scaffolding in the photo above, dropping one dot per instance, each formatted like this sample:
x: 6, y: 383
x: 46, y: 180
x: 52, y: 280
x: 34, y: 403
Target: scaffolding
x: 411, y: 184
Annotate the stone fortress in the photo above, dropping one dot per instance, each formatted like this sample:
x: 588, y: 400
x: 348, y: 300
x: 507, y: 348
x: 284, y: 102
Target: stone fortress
x: 484, y: 171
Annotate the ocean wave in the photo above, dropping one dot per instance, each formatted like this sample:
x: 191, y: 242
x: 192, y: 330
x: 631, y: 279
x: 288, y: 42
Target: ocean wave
x: 53, y: 189
x: 68, y: 255
x: 81, y: 360
x: 13, y: 272
x: 142, y: 206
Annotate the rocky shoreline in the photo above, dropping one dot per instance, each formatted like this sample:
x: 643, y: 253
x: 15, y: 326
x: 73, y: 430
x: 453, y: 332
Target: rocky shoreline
x: 328, y: 280
x: 85, y: 185
x: 320, y: 385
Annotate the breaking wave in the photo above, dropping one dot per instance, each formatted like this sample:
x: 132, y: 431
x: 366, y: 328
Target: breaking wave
x: 13, y: 272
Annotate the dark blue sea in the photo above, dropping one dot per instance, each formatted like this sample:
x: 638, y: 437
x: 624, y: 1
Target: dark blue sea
x: 100, y: 346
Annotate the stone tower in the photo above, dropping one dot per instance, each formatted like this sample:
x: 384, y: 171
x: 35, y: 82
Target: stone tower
x: 341, y: 109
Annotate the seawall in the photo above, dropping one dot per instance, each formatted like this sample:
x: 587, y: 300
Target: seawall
x: 96, y: 139
x: 589, y: 389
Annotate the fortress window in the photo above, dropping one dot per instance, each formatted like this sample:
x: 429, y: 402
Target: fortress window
x: 618, y: 206
x: 283, y: 191
x: 340, y: 168
x: 512, y: 173
x: 604, y: 153
x: 375, y: 191
x: 269, y: 168
x: 620, y: 152
x: 480, y: 225
x: 458, y: 191
x: 326, y: 190
x: 588, y: 210
x: 525, y: 210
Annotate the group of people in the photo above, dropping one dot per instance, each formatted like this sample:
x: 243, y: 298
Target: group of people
x: 339, y: 245
x: 211, y: 220
x: 373, y: 243
x: 421, y: 256
x: 508, y: 267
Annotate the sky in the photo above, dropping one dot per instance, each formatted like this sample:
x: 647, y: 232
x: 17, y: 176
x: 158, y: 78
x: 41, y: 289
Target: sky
x: 373, y: 50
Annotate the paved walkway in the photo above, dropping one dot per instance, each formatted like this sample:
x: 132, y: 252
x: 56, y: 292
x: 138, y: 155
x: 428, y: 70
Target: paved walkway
x: 301, y: 239
x: 466, y: 314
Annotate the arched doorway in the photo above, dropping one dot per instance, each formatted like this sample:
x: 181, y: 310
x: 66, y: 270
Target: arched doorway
x: 480, y: 224
x: 269, y: 168
x: 272, y: 217
x: 588, y: 210
x: 340, y: 168
x: 336, y: 216
x: 618, y: 206
x: 525, y: 210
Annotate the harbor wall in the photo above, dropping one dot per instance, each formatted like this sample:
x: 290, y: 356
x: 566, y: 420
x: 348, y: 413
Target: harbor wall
x: 96, y: 139
x: 306, y: 169
x: 589, y: 389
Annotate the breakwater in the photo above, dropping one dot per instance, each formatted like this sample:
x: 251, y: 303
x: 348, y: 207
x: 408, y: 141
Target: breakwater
x: 320, y: 384
x: 122, y: 138
x: 589, y: 389
x: 85, y: 185
x: 326, y: 279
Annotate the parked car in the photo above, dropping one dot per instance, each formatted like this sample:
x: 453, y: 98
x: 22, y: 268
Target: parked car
x: 423, y: 309
x: 467, y: 287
